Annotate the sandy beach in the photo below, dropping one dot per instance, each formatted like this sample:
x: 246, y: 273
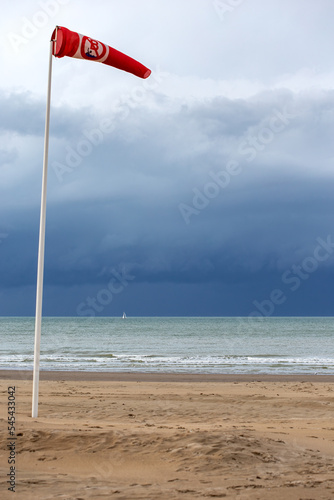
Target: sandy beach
x: 160, y: 436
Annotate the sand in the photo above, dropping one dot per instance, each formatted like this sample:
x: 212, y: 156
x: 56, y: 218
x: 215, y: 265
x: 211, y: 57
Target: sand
x: 128, y: 436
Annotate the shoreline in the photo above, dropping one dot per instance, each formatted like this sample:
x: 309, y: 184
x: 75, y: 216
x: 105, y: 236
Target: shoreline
x: 86, y: 376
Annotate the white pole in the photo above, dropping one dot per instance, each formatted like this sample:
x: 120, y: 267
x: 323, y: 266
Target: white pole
x: 40, y: 267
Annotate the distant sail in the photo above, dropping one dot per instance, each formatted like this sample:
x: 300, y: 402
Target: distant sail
x: 124, y: 316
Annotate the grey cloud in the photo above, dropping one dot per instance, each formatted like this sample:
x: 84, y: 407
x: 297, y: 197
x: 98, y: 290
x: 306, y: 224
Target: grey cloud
x: 120, y: 206
x: 23, y: 113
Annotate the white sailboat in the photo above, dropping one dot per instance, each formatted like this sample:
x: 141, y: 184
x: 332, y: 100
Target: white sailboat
x: 124, y: 316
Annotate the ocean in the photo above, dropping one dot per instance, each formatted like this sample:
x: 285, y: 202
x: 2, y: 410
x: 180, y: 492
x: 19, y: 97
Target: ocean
x: 179, y: 345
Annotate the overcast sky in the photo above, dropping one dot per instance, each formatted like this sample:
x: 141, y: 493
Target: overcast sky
x: 205, y: 190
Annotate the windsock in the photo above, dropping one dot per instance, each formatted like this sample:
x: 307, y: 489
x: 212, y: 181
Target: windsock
x: 72, y: 44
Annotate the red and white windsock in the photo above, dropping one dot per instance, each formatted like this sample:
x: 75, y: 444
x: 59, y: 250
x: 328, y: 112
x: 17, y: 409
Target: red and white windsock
x: 72, y: 44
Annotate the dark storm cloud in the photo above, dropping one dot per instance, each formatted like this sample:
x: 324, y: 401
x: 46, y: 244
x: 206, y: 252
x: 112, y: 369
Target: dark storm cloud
x: 119, y: 209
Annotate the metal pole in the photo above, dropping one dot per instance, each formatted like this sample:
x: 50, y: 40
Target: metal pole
x: 40, y: 267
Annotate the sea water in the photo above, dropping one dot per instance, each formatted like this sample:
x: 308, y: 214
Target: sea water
x: 180, y: 345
